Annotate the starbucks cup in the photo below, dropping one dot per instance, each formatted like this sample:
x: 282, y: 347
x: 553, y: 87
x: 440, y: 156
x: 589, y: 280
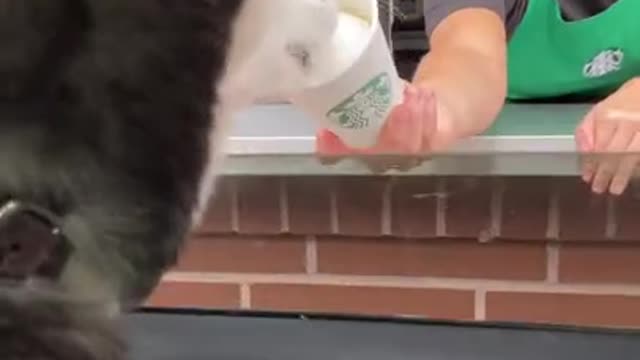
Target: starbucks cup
x: 355, y: 82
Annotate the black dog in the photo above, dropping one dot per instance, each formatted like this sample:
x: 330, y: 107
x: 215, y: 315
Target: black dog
x: 112, y: 116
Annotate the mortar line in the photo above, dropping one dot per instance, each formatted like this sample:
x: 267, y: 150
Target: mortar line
x: 497, y: 199
x: 284, y: 206
x: 387, y: 215
x: 480, y: 305
x: 553, y: 215
x: 245, y: 296
x: 441, y: 207
x: 553, y: 263
x: 235, y: 211
x: 611, y: 229
x: 311, y: 255
x: 334, y: 211
x: 402, y: 282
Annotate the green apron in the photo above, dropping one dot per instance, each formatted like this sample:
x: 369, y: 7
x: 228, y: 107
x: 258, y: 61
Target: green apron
x: 551, y: 57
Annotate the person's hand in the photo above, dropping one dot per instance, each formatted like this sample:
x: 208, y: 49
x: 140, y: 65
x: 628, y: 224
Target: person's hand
x: 417, y: 127
x: 611, y: 130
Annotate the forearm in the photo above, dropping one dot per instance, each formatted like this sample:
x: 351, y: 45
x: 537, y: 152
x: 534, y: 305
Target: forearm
x: 467, y: 65
x: 470, y: 84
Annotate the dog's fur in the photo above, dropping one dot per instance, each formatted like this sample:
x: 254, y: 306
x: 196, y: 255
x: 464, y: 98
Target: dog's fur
x: 113, y: 114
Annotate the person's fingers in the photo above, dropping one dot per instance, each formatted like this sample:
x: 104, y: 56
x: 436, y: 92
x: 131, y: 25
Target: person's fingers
x: 584, y: 144
x: 400, y: 140
x: 329, y: 148
x: 609, y: 158
x: 585, y: 132
x: 401, y: 131
x: 424, y: 127
x: 627, y: 167
x: 418, y: 122
x: 603, y: 130
x: 328, y: 143
x: 395, y: 140
x: 429, y: 118
x: 621, y: 139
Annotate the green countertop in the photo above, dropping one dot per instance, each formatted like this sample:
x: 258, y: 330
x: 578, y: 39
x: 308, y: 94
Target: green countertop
x: 538, y: 120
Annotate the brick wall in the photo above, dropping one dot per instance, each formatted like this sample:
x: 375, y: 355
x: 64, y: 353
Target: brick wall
x: 515, y: 249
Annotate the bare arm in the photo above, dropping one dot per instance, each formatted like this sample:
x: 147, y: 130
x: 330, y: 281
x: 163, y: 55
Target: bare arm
x: 467, y: 68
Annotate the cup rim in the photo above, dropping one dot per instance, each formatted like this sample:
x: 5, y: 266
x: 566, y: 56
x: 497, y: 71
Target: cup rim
x: 374, y: 26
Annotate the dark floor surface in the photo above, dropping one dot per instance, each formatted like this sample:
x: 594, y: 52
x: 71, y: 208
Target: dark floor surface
x: 164, y: 336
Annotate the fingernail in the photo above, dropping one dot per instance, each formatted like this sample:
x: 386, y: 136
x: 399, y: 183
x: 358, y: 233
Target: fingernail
x: 588, y: 169
x: 617, y: 188
x: 598, y: 188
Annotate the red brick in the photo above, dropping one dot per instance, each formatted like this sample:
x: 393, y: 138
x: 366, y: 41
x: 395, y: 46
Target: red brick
x: 459, y: 259
x: 583, y: 214
x: 259, y: 210
x: 359, y: 203
x: 195, y: 295
x: 468, y: 206
x: 309, y: 201
x: 583, y: 310
x: 600, y: 263
x: 218, y: 218
x: 627, y: 210
x: 525, y: 208
x: 434, y: 303
x: 414, y: 204
x: 244, y: 255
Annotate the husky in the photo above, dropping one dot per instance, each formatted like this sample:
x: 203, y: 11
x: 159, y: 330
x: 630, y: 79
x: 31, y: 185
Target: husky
x: 113, y: 121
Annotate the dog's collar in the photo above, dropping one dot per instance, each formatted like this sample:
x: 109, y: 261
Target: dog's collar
x: 31, y: 242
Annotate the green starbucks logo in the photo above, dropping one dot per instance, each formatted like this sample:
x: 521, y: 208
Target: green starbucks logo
x: 604, y: 63
x: 370, y: 102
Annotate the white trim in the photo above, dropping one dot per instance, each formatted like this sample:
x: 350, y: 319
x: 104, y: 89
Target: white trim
x: 304, y: 145
x: 538, y: 287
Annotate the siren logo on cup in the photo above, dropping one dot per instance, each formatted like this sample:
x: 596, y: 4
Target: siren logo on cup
x: 369, y: 102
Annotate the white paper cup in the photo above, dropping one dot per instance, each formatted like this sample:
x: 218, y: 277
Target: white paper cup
x: 355, y: 101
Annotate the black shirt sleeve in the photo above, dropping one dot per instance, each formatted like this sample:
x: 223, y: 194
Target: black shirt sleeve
x: 437, y: 10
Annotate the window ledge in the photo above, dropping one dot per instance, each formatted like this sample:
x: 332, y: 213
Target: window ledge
x: 277, y: 139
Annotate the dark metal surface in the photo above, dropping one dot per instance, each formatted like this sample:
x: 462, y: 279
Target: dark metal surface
x: 198, y: 337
